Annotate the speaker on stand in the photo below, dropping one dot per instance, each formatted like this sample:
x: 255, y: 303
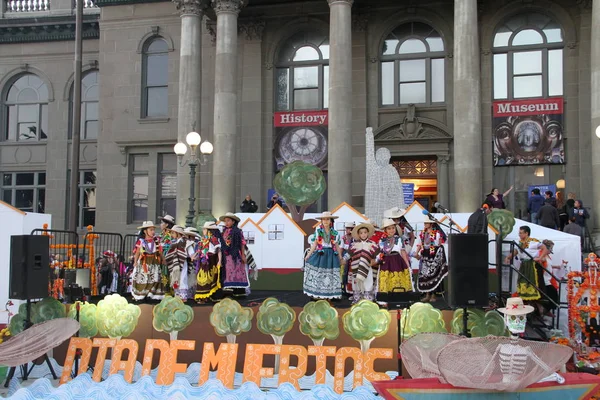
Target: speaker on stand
x: 468, y: 273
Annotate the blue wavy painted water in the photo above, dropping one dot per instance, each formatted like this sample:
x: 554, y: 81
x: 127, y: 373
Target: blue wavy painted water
x: 115, y: 387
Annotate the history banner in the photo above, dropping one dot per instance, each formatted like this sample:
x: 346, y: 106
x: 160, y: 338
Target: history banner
x: 528, y: 132
x: 300, y: 136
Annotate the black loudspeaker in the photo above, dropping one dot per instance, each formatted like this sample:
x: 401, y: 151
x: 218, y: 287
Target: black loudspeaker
x: 29, y: 266
x: 468, y: 272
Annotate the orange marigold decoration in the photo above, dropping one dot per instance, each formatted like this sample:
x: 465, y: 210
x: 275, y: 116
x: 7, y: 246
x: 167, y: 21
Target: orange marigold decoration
x: 575, y: 291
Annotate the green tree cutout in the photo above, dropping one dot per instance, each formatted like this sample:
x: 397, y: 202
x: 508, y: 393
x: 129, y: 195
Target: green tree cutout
x: 115, y: 317
x: 480, y: 323
x: 365, y: 322
x: 172, y: 316
x: 422, y: 318
x: 45, y: 310
x: 230, y: 319
x: 275, y: 319
x: 319, y: 321
x: 300, y: 184
x: 87, y: 318
x: 502, y: 220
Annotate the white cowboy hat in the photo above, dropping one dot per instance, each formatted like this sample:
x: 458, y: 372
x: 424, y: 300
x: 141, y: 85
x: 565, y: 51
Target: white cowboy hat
x: 349, y: 225
x: 364, y: 225
x: 146, y: 225
x: 167, y: 218
x: 387, y: 222
x: 191, y: 231
x: 327, y: 214
x: 395, y: 212
x: 229, y: 215
x: 515, y: 306
x: 178, y: 229
x: 209, y: 225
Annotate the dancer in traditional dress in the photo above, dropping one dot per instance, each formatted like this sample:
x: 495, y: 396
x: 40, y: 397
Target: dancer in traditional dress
x: 322, y: 273
x: 107, y: 268
x: 394, y: 272
x: 176, y: 261
x: 347, y: 240
x: 189, y: 273
x: 166, y: 223
x: 148, y: 279
x: 405, y: 230
x: 232, y: 245
x: 208, y: 263
x: 433, y: 267
x: 363, y: 271
x: 525, y: 260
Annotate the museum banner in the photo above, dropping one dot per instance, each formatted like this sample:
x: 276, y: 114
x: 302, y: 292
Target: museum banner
x: 300, y: 135
x: 528, y: 132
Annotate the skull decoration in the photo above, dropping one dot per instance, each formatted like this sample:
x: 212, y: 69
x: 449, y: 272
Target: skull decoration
x: 515, y: 315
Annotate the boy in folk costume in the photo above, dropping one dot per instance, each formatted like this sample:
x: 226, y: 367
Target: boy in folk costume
x: 232, y: 244
x: 394, y: 270
x: 363, y: 273
x: 433, y: 268
x: 322, y: 273
x: 208, y: 259
x: 148, y: 280
x: 176, y: 260
x: 166, y: 223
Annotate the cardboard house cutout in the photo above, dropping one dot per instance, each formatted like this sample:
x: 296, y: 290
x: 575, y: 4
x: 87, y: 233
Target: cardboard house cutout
x: 255, y: 237
x: 282, y: 245
x: 14, y: 222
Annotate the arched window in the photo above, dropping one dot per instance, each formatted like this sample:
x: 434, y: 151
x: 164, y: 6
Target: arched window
x: 413, y: 66
x: 155, y: 78
x: 302, y: 75
x: 528, y: 58
x: 26, y: 108
x: 89, y: 106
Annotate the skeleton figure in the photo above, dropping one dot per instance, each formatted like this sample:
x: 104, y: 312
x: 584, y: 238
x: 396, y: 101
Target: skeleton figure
x: 383, y: 188
x: 514, y: 356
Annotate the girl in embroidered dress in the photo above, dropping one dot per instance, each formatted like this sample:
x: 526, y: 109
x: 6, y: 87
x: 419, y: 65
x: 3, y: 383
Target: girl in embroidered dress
x: 232, y: 245
x: 394, y: 272
x: 363, y: 270
x: 208, y: 262
x: 166, y: 223
x: 147, y: 279
x: 527, y: 261
x: 322, y: 273
x: 433, y: 268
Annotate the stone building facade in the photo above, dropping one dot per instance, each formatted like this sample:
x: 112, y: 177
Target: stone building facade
x: 424, y: 75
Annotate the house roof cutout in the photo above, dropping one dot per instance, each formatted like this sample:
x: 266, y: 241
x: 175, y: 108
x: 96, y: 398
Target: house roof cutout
x: 251, y: 222
x: 277, y: 209
x: 359, y: 215
x: 11, y: 207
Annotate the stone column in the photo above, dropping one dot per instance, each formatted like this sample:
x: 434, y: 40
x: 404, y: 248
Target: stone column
x: 442, y: 178
x: 467, y: 108
x: 190, y: 90
x: 340, y: 103
x: 226, y: 106
x: 595, y: 69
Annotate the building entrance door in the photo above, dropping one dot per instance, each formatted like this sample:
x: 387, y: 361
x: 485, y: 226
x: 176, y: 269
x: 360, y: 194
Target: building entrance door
x: 423, y: 173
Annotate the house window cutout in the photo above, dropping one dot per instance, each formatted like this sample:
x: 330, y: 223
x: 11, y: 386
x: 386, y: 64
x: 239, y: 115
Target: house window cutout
x: 276, y: 232
x: 250, y: 237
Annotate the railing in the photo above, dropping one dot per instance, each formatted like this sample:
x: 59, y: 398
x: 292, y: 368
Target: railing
x: 24, y: 6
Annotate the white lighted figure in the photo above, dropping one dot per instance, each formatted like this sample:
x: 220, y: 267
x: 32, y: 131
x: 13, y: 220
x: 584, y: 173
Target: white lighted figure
x: 514, y: 357
x: 383, y: 189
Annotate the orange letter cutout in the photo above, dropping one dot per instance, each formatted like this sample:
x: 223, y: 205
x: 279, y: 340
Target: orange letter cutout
x: 103, y: 345
x: 167, y: 364
x: 224, y: 362
x: 253, y: 370
x: 162, y: 346
x: 340, y: 359
x: 321, y: 353
x: 287, y: 374
x: 369, y: 362
x: 128, y: 365
x: 76, y: 343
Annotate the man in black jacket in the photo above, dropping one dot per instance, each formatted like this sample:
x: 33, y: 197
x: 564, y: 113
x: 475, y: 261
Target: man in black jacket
x: 478, y: 220
x: 548, y: 215
x: 248, y: 205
